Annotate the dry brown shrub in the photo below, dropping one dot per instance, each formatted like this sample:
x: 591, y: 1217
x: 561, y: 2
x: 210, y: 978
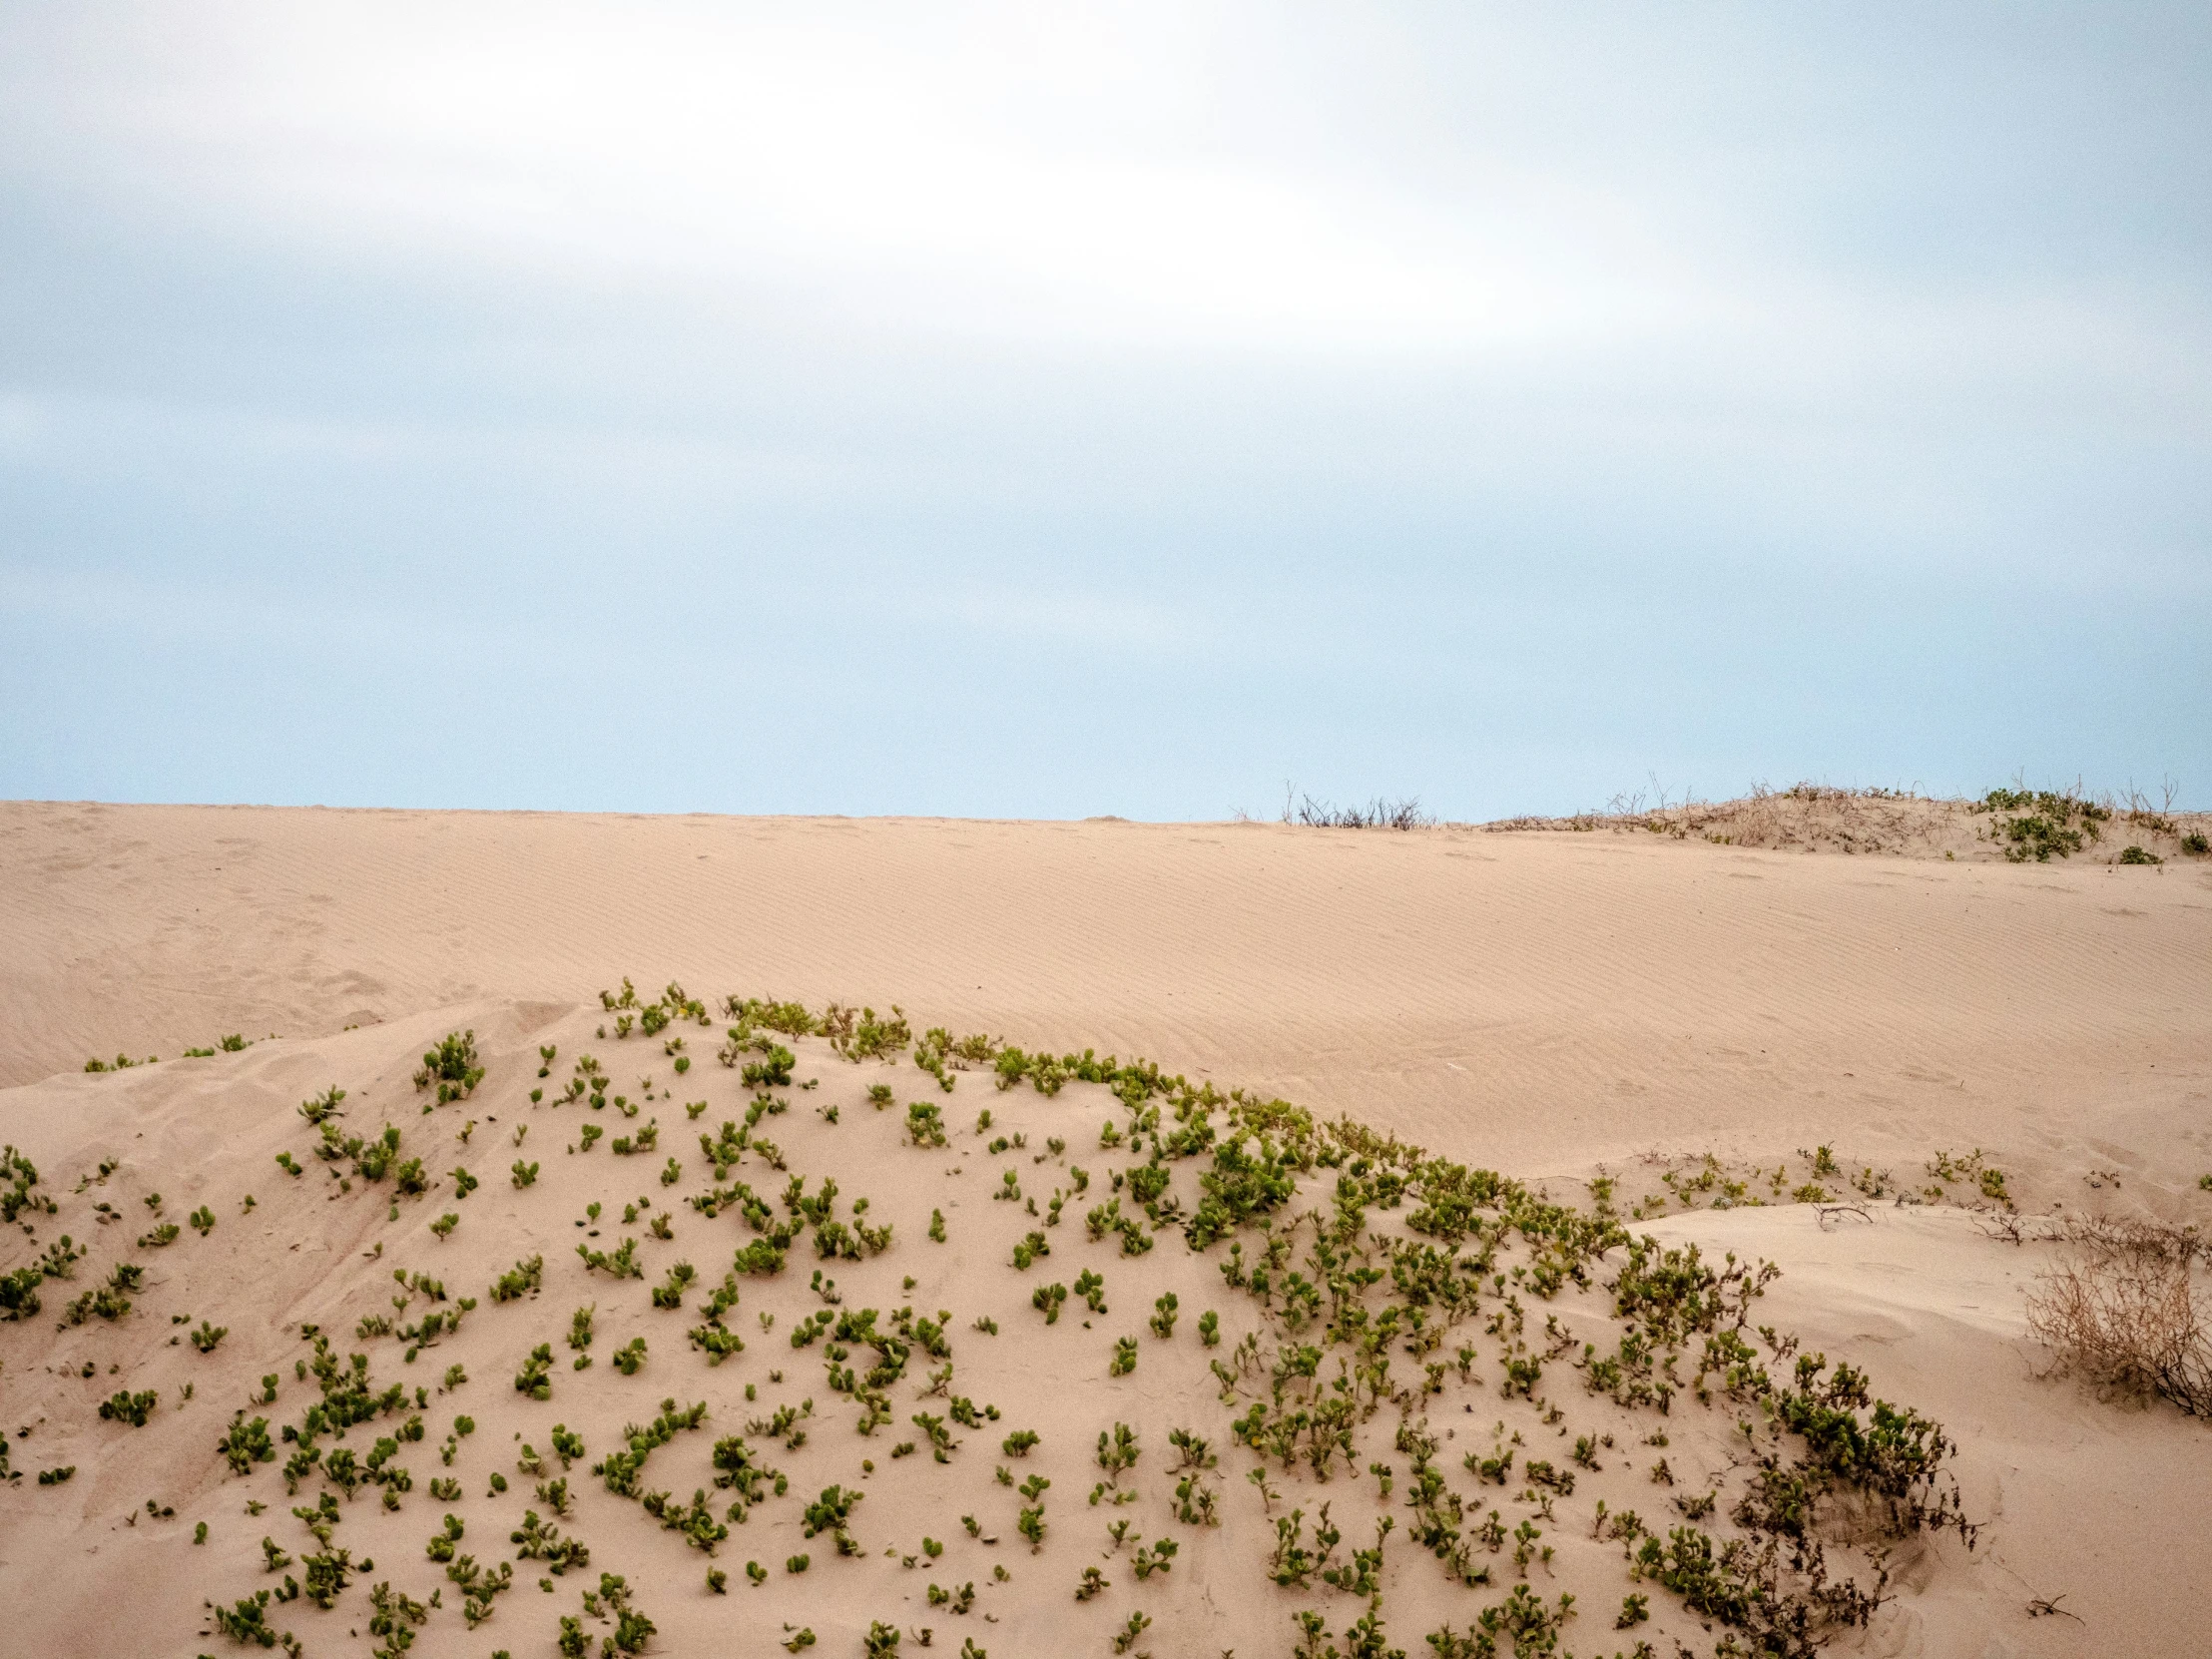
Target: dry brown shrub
x: 2126, y: 1316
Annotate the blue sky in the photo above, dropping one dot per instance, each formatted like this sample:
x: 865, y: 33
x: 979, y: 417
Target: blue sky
x: 1048, y: 412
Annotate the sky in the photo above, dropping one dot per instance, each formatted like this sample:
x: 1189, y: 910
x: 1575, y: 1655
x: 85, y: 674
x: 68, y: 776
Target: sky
x: 1049, y: 411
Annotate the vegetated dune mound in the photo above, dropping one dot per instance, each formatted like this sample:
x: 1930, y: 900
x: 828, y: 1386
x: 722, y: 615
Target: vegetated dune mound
x: 655, y: 1327
x: 2016, y: 825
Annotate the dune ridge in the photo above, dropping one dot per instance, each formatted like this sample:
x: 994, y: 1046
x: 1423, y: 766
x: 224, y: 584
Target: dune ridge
x: 1555, y: 999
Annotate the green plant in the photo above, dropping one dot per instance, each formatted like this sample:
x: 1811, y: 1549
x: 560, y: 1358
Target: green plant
x: 1117, y: 1451
x: 1147, y: 1560
x: 132, y: 1409
x: 2051, y: 827
x: 1124, y: 1359
x: 1294, y: 1561
x: 618, y: 1263
x: 208, y: 1337
x: 534, y: 1379
x: 1162, y: 1316
x: 523, y: 1278
x: 453, y: 1066
x: 670, y: 1292
x: 772, y: 1072
x: 247, y: 1622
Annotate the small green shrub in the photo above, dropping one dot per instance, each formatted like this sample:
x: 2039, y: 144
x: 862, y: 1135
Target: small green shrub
x: 534, y: 1379
x: 453, y: 1066
x: 523, y: 1278
x: 130, y: 1408
x: 772, y: 1072
x: 1163, y: 1316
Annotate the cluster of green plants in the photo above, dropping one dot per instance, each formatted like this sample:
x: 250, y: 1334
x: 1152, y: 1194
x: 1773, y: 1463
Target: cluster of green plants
x: 19, y: 1286
x: 2036, y: 824
x: 452, y: 1067
x: 1365, y: 1281
x: 649, y: 1019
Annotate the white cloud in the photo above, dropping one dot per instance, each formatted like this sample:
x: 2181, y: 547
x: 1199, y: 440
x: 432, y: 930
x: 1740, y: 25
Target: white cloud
x: 1032, y: 174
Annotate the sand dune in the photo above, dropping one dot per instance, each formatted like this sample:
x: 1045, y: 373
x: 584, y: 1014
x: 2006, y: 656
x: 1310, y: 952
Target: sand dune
x: 1548, y: 1005
x: 1538, y: 1001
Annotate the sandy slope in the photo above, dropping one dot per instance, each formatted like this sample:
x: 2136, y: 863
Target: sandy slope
x: 1539, y: 1003
x: 1536, y: 1001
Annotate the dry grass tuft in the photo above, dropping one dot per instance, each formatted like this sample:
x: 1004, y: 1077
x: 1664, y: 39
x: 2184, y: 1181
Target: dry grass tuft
x: 2126, y: 1315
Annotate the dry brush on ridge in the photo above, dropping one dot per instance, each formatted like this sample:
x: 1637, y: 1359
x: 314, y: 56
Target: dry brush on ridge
x: 2012, y: 825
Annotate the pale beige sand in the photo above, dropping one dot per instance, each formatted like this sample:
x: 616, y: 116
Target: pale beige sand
x: 1541, y: 1004
x: 1540, y: 1001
